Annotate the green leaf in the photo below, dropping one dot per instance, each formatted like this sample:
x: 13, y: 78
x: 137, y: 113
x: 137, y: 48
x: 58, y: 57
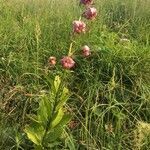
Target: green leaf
x: 57, y: 82
x: 57, y: 118
x: 56, y: 132
x: 33, y: 117
x: 64, y: 120
x: 53, y: 134
x: 118, y: 113
x: 44, y: 111
x: 53, y: 144
x: 35, y: 133
x: 64, y: 97
x: 70, y: 142
x: 32, y: 135
x: 38, y: 147
x: 97, y: 111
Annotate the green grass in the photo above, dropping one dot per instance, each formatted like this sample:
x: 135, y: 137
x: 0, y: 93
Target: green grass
x: 111, y: 89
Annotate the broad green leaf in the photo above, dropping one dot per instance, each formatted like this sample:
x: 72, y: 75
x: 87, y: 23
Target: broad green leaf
x: 44, y: 111
x: 38, y: 147
x: 57, y: 82
x: 64, y: 97
x: 53, y: 144
x: 56, y: 132
x: 57, y: 118
x: 52, y: 96
x: 53, y: 135
x: 64, y: 120
x: 32, y: 135
x: 35, y: 133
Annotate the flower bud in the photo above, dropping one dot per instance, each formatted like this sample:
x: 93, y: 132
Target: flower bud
x: 52, y: 61
x: 79, y: 26
x: 90, y: 13
x: 67, y: 62
x: 86, y: 51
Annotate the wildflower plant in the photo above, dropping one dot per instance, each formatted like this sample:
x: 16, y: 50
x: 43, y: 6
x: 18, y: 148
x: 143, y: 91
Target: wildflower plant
x: 106, y: 71
x: 48, y: 124
x: 78, y: 27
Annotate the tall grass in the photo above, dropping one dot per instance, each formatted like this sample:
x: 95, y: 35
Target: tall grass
x: 111, y: 89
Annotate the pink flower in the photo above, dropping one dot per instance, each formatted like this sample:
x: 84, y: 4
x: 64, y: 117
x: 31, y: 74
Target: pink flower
x: 86, y: 2
x: 52, y: 61
x: 90, y: 13
x: 79, y: 26
x: 86, y: 51
x: 67, y: 62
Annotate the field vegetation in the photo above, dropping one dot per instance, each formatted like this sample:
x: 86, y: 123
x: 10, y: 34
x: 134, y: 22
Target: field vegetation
x: 109, y: 91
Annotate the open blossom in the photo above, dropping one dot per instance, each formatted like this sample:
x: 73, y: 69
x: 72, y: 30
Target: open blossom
x: 90, y: 13
x: 67, y: 62
x: 79, y: 26
x: 86, y: 51
x: 52, y: 61
x: 86, y: 2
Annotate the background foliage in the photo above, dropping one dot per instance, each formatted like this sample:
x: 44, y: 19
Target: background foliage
x: 110, y: 98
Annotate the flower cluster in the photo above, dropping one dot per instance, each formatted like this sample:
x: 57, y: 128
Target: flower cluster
x: 90, y: 13
x: 79, y: 27
x: 86, y: 2
x: 67, y: 62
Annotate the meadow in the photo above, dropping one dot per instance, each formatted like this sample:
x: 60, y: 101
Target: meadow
x: 109, y: 91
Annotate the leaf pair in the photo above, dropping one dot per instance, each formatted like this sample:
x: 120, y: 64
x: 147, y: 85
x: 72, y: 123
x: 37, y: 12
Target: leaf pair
x: 47, y: 126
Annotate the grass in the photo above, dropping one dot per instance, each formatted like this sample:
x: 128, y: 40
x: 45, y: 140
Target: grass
x: 111, y: 89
